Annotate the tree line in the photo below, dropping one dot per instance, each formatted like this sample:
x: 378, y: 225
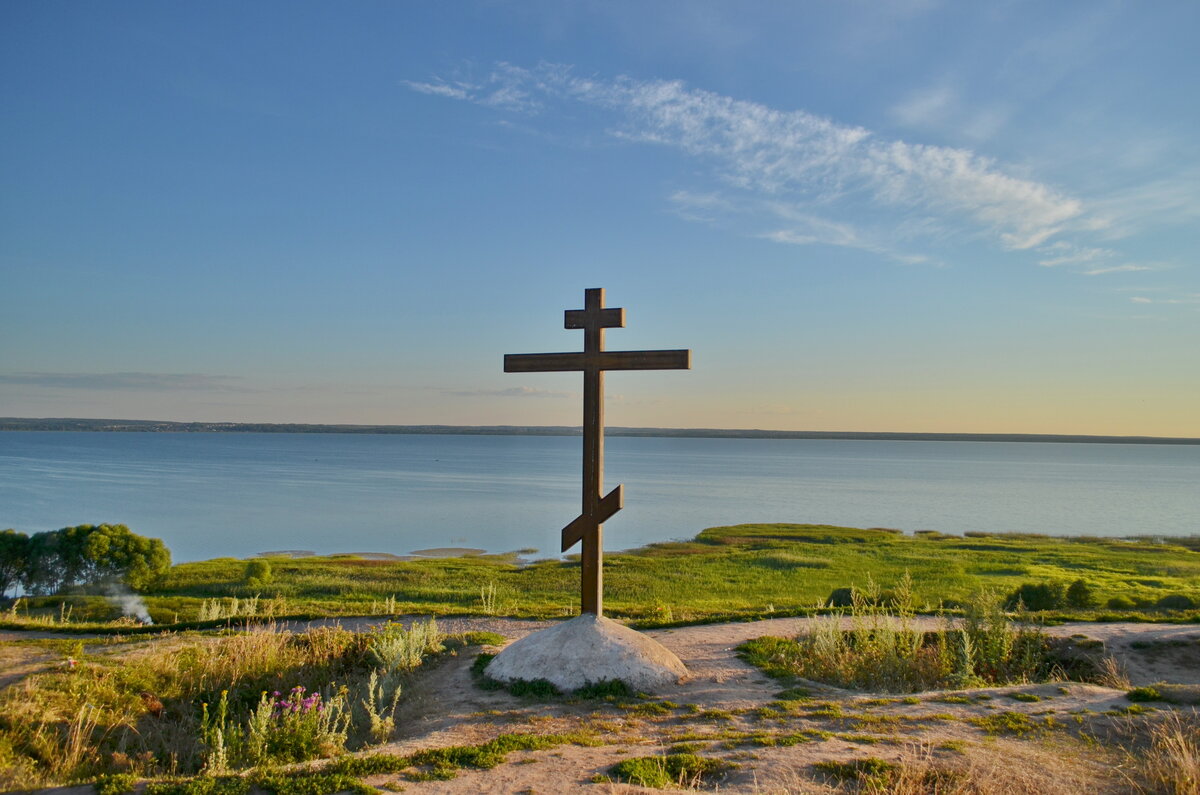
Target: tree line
x: 78, y: 557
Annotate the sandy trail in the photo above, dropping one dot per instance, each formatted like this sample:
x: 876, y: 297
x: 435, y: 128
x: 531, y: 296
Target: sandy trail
x: 444, y: 707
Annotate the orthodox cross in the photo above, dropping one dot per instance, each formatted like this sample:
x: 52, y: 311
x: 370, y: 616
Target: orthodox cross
x: 594, y: 318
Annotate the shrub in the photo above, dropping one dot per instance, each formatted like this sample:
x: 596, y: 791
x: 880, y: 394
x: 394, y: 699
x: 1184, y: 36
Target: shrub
x: 1037, y: 596
x: 394, y: 648
x: 840, y: 597
x: 1080, y: 594
x: 1144, y: 694
x: 1175, y: 601
x: 258, y: 572
x: 1121, y: 603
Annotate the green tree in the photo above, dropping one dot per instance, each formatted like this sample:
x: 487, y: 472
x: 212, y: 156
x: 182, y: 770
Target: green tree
x: 14, y: 558
x: 91, y: 555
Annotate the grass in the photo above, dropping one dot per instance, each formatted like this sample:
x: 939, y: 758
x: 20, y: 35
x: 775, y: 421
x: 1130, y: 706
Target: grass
x: 212, y: 704
x: 867, y: 770
x: 1015, y: 723
x: 725, y: 573
x: 684, y: 770
x: 876, y: 648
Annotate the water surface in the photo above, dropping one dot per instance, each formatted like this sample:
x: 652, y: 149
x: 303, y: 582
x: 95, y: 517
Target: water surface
x: 236, y: 494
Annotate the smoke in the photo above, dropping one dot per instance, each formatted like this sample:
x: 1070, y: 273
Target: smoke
x: 130, y: 603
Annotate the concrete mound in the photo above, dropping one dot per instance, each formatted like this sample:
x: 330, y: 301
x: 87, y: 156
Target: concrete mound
x: 586, y: 650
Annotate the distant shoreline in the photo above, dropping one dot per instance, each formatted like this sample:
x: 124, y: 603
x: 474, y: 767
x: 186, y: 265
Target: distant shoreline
x: 163, y: 426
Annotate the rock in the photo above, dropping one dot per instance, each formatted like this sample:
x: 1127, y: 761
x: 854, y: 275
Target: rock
x: 586, y: 650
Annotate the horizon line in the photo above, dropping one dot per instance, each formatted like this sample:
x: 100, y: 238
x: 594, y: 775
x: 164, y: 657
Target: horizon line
x: 98, y: 424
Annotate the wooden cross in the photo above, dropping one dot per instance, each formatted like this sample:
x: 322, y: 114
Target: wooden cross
x: 593, y: 361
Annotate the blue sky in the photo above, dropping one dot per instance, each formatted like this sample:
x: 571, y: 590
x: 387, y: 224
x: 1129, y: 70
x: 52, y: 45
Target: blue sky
x: 910, y: 216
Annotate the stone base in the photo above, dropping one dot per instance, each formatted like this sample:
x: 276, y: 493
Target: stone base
x: 586, y: 650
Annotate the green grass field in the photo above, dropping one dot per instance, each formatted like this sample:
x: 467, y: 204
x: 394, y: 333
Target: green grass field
x: 726, y: 573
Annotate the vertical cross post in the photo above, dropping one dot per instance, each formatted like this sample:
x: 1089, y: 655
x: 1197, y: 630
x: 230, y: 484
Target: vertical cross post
x: 588, y: 527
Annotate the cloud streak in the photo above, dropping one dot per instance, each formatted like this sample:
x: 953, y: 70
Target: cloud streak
x: 795, y: 158
x: 127, y: 381
x: 515, y: 391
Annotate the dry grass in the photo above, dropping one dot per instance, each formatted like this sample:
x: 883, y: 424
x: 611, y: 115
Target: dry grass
x: 143, y: 713
x: 1172, y: 762
x: 1112, y: 674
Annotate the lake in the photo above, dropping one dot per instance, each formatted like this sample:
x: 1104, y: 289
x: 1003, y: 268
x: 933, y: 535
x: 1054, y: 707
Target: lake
x: 237, y: 494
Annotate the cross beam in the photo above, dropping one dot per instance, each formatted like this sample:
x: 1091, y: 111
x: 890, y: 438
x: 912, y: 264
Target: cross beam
x: 594, y: 318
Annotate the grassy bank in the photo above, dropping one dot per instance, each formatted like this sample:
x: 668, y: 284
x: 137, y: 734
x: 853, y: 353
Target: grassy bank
x: 738, y: 572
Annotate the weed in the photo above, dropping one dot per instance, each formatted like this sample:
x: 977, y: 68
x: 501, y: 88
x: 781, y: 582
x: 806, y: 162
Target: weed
x: 794, y: 694
x: 868, y: 770
x: 394, y: 648
x: 1014, y: 723
x: 201, y: 785
x: 670, y: 770
x: 114, y: 783
x: 1027, y: 697
x: 882, y: 650
x: 1144, y: 694
x: 534, y: 688
x: 608, y: 689
x: 1172, y: 763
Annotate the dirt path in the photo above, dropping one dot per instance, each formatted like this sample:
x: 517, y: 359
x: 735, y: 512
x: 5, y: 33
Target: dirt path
x: 720, y: 709
x: 726, y: 710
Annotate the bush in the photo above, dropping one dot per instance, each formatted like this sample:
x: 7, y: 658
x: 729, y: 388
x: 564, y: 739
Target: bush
x: 1175, y: 601
x: 1144, y: 694
x: 1121, y: 603
x: 258, y: 572
x: 1037, y: 596
x: 840, y: 597
x: 1080, y: 594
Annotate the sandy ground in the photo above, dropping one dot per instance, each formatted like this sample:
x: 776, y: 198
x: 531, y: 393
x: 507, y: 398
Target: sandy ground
x: 718, y: 709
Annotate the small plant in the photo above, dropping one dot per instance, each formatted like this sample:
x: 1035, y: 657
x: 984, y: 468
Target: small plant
x: 608, y: 689
x: 380, y: 709
x: 295, y: 727
x: 115, y: 783
x: 671, y: 770
x: 394, y: 648
x: 1016, y: 723
x: 1144, y: 694
x: 487, y: 599
x: 1027, y: 697
x: 870, y: 770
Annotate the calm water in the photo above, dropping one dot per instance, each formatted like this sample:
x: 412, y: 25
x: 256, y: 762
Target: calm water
x: 212, y: 495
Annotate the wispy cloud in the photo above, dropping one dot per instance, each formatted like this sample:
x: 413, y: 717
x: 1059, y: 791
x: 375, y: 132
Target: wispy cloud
x: 1186, y: 298
x: 1063, y: 253
x: 797, y: 158
x: 1118, y: 269
x: 438, y: 89
x: 515, y: 391
x: 131, y: 381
